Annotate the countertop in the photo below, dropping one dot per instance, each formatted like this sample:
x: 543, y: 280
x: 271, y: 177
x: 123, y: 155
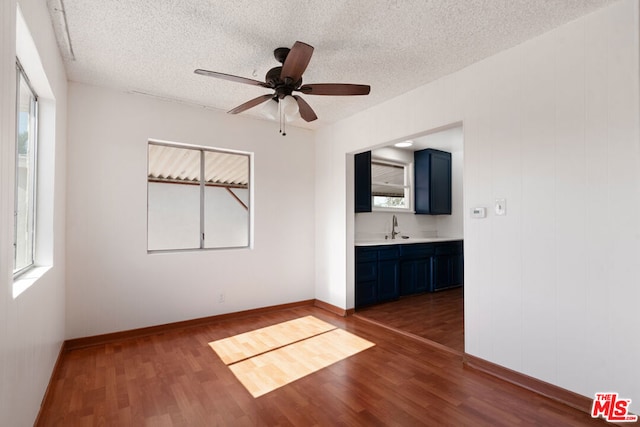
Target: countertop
x: 404, y: 241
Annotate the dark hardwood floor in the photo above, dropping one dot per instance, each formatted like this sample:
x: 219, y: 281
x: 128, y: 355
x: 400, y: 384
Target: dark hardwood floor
x: 176, y: 379
x: 437, y: 316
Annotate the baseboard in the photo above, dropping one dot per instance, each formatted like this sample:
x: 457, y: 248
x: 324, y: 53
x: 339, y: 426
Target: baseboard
x: 77, y: 343
x: 333, y: 309
x: 543, y: 388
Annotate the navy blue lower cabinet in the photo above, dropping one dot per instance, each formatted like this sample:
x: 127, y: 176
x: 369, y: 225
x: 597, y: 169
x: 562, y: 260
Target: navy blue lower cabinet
x: 377, y: 274
x: 415, y: 276
x: 457, y: 270
x: 386, y: 272
x: 448, y: 266
x: 366, y: 283
x: 423, y: 275
x: 407, y: 278
x: 441, y: 273
x: 366, y: 293
x: 388, y: 280
x: 366, y: 276
x: 415, y: 268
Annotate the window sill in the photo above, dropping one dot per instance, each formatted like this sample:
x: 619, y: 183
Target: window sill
x: 28, y: 278
x: 395, y: 210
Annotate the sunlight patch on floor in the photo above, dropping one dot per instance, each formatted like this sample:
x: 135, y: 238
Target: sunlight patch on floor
x: 268, y: 358
x: 249, y: 344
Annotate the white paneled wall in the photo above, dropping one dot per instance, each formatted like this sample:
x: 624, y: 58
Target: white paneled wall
x: 7, y: 136
x: 553, y: 126
x: 32, y: 323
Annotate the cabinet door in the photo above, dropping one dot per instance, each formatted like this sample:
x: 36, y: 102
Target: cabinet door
x: 423, y: 275
x: 448, y: 269
x: 407, y: 278
x: 388, y: 280
x: 441, y: 272
x: 366, y: 283
x: 362, y: 181
x: 457, y: 270
x: 415, y: 276
x: 440, y: 183
x: 432, y: 173
x: 366, y: 293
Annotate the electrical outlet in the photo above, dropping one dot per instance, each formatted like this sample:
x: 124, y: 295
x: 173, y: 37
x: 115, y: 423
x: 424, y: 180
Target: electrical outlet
x: 221, y: 297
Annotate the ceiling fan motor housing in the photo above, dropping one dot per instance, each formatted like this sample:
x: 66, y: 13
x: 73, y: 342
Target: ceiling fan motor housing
x: 282, y: 88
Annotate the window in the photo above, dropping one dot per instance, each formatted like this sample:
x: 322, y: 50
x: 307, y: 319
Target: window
x: 390, y: 185
x: 25, y: 184
x: 197, y: 198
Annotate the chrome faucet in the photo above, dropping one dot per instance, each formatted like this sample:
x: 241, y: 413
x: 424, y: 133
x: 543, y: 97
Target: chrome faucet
x: 394, y: 224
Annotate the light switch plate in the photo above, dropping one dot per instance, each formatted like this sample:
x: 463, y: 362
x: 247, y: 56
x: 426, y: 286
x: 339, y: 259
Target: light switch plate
x: 501, y: 207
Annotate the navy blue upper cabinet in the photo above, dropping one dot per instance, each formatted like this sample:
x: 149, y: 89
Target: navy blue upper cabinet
x: 362, y: 178
x: 432, y: 182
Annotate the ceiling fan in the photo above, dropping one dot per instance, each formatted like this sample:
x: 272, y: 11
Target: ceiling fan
x: 286, y: 79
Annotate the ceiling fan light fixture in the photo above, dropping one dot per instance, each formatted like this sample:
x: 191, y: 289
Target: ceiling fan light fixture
x: 289, y: 106
x: 270, y: 109
x: 291, y: 118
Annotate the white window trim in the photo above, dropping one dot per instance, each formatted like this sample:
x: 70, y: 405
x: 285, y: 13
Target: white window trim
x: 29, y: 57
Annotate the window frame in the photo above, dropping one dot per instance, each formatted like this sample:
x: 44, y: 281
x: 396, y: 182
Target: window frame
x: 407, y: 186
x: 21, y: 75
x: 202, y: 200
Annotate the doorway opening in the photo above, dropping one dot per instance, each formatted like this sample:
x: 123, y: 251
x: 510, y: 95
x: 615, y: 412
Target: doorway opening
x: 428, y: 313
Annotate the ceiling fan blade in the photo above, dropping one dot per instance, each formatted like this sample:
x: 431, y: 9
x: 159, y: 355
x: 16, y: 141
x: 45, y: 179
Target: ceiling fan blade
x: 296, y: 62
x: 250, y: 104
x: 336, y: 89
x: 230, y: 77
x: 306, y: 112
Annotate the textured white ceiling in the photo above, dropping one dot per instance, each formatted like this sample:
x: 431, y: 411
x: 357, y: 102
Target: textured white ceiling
x: 153, y: 46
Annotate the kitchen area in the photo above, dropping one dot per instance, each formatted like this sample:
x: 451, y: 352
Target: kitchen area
x: 409, y: 259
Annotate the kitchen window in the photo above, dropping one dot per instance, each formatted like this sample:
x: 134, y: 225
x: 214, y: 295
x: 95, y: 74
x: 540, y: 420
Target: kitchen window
x: 197, y: 198
x: 25, y: 174
x: 390, y: 185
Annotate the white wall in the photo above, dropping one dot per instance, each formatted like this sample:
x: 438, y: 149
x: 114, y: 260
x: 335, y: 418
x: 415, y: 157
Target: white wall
x: 113, y: 284
x: 32, y: 323
x: 377, y: 225
x: 552, y: 125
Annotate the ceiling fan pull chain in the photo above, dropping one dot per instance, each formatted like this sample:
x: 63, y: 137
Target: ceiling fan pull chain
x: 283, y: 121
x: 280, y: 116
